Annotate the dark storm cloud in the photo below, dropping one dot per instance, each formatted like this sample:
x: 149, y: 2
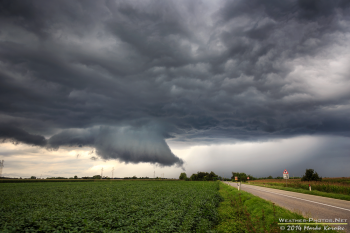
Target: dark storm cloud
x: 124, y: 76
x: 18, y: 135
x: 127, y: 144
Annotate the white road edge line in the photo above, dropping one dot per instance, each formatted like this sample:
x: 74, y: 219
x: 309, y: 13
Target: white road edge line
x: 300, y: 199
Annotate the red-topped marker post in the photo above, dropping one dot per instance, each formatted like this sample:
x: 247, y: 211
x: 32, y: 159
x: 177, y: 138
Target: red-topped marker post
x: 238, y: 186
x: 285, y: 175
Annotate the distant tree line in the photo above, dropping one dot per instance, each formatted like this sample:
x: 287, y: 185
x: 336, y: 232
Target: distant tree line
x: 134, y: 177
x: 310, y: 175
x: 205, y: 176
x: 56, y: 178
x: 241, y: 176
x: 200, y: 176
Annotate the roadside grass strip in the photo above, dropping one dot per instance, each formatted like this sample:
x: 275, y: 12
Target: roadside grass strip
x: 243, y: 212
x: 123, y: 206
x: 327, y: 185
x: 299, y: 190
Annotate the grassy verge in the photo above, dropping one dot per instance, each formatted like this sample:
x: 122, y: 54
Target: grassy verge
x: 313, y: 192
x: 322, y: 186
x: 243, y: 212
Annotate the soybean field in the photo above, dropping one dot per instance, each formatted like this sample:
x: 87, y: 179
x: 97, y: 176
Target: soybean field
x: 115, y: 206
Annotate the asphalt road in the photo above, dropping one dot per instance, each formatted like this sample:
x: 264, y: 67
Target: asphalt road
x: 310, y: 206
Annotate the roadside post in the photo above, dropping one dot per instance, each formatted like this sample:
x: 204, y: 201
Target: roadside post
x: 309, y: 187
x: 285, y: 175
x: 236, y: 178
x: 248, y: 179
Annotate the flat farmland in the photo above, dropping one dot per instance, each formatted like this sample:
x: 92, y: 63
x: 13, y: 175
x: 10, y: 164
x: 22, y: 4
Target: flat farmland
x: 338, y: 188
x: 329, y: 185
x: 113, y: 206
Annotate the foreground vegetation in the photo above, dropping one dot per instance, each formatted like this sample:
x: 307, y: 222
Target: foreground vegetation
x: 235, y: 216
x: 123, y: 206
x: 135, y: 206
x: 336, y: 188
x: 313, y: 192
x: 342, y: 180
x: 243, y: 212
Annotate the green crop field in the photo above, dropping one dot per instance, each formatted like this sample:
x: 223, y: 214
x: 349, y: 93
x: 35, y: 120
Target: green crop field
x: 115, y: 206
x: 338, y: 188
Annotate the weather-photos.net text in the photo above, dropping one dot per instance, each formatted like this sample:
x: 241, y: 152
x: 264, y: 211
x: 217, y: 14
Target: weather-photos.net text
x: 312, y: 220
x: 304, y: 224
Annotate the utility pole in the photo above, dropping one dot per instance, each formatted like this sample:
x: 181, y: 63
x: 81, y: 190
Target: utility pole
x: 112, y: 172
x: 1, y: 166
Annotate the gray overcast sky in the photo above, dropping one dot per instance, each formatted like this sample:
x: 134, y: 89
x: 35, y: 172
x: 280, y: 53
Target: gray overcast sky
x: 175, y: 85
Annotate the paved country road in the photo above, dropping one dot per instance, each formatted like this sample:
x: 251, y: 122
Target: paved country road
x: 310, y: 206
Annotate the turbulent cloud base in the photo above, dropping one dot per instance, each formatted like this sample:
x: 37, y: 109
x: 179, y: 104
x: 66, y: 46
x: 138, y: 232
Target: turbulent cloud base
x: 123, y: 77
x: 125, y: 144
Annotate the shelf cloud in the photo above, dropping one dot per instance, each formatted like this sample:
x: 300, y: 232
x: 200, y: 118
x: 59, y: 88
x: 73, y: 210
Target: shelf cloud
x: 125, y: 144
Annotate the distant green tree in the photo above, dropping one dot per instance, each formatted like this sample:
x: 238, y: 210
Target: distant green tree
x: 96, y: 177
x: 270, y: 177
x: 75, y: 177
x: 134, y: 177
x: 183, y: 176
x: 311, y: 175
x: 33, y: 177
x: 212, y: 176
x: 201, y: 175
x: 194, y: 177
